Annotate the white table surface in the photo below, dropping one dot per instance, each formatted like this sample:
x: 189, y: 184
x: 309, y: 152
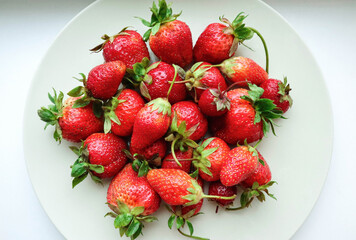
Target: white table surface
x: 27, y: 28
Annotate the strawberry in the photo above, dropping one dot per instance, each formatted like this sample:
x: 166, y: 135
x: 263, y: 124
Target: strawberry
x: 209, y: 158
x: 100, y: 155
x: 151, y: 123
x: 218, y: 189
x: 176, y: 187
x: 250, y: 117
x: 102, y: 83
x: 126, y: 46
x: 243, y: 70
x: 184, y: 158
x: 132, y: 199
x: 219, y: 42
x: 201, y: 76
x: 72, y: 124
x: 154, y: 81
x: 239, y: 164
x: 170, y: 39
x: 262, y: 174
x: 278, y: 92
x: 120, y: 112
x: 214, y: 103
x: 157, y: 149
x: 181, y: 214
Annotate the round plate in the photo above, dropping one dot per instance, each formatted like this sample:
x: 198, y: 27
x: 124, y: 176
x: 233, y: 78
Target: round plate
x: 298, y: 156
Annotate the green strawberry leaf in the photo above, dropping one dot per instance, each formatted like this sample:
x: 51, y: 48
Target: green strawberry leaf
x: 179, y: 222
x: 96, y: 168
x: 137, y: 210
x: 77, y: 91
x: 123, y: 220
x: 81, y: 102
x: 79, y: 169
x: 133, y: 227
x: 79, y: 179
x: 171, y: 220
x: 190, y: 226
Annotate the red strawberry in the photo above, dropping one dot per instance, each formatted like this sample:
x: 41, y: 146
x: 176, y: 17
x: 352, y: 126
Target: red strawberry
x: 170, y: 163
x: 101, y: 155
x: 239, y: 164
x: 126, y: 46
x: 121, y: 113
x: 278, y: 92
x: 214, y: 103
x: 170, y: 39
x: 155, y: 81
x: 151, y: 123
x: 218, y: 189
x: 132, y: 199
x: 201, y: 76
x: 219, y: 42
x: 157, y: 149
x: 190, y: 113
x: 72, y: 124
x: 243, y: 70
x: 209, y: 158
x: 176, y: 187
x: 249, y: 118
x: 262, y: 174
x: 182, y: 213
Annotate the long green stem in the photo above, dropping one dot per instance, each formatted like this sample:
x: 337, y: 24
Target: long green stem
x: 191, y: 236
x: 174, y: 79
x: 173, y: 152
x: 219, y: 197
x: 264, y: 45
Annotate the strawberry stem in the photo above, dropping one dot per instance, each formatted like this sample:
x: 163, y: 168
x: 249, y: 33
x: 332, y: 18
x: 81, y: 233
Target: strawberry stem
x: 264, y: 45
x: 219, y: 197
x: 191, y: 236
x: 173, y: 152
x: 174, y: 79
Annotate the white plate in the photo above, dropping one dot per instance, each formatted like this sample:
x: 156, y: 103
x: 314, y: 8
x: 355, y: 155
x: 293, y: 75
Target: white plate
x: 299, y: 156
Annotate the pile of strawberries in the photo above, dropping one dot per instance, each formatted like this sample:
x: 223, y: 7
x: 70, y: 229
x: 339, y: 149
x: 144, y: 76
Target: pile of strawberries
x: 164, y: 111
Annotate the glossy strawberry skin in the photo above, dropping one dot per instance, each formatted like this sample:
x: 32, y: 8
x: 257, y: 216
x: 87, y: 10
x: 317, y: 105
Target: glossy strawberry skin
x: 262, y: 174
x: 173, y: 43
x: 216, y: 159
x: 126, y: 112
x: 218, y: 189
x: 238, y: 166
x: 104, y: 80
x: 149, y: 126
x: 213, y: 45
x: 207, y: 105
x: 237, y: 124
x: 159, y: 147
x: 242, y: 70
x: 78, y: 123
x: 212, y: 78
x: 134, y: 191
x: 106, y: 150
x: 170, y: 163
x: 186, y: 209
x: 128, y: 48
x: 161, y: 76
x: 271, y: 91
x: 170, y: 184
x: 190, y: 113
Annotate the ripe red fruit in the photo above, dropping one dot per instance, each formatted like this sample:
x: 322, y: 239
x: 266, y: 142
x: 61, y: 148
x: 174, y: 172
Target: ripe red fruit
x: 209, y: 158
x: 243, y: 70
x: 184, y: 158
x: 126, y: 46
x: 170, y: 39
x: 176, y: 187
x: 214, y: 103
x: 262, y: 174
x: 132, y: 199
x: 123, y: 111
x: 219, y: 42
x: 278, y: 92
x: 239, y: 164
x: 157, y: 149
x: 72, y: 124
x: 155, y: 80
x: 151, y: 123
x: 201, y: 76
x: 104, y: 80
x: 190, y: 113
x: 218, y: 189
